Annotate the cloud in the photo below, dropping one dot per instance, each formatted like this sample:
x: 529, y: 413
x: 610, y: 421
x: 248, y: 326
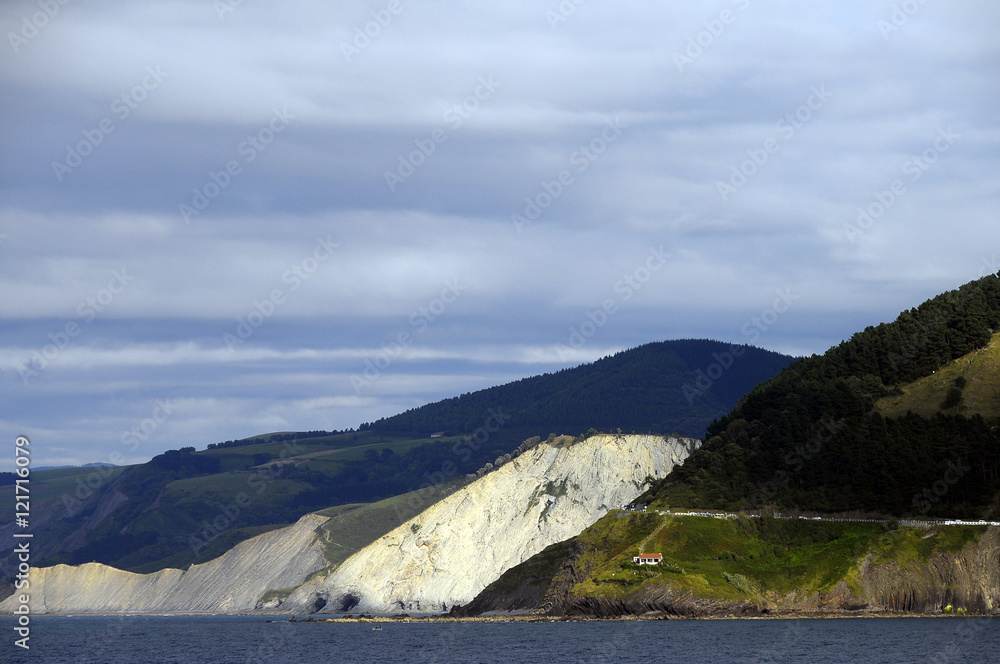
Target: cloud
x: 111, y: 128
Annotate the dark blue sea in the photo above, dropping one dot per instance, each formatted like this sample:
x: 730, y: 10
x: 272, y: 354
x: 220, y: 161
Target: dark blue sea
x: 224, y: 639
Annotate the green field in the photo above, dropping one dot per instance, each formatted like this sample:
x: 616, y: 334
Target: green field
x: 980, y: 395
x: 746, y: 559
x: 48, y: 485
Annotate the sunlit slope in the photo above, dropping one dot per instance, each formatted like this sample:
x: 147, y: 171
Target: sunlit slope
x: 976, y: 377
x: 753, y: 567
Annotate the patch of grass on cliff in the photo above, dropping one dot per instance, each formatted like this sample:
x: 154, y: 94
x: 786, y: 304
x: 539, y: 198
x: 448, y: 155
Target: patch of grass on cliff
x: 733, y: 560
x: 535, y: 572
x: 352, y: 527
x: 917, y: 545
x: 276, y: 593
x: 555, y: 490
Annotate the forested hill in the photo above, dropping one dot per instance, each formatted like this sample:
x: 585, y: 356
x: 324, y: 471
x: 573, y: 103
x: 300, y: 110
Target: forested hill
x: 665, y: 387
x: 811, y: 437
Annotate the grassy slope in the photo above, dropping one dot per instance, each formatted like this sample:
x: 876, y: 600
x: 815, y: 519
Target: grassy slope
x: 52, y: 484
x: 745, y: 560
x: 323, y: 454
x: 981, y: 370
x: 354, y: 526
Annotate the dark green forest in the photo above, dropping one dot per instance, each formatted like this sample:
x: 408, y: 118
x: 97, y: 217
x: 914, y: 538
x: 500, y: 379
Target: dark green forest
x: 641, y: 390
x: 809, y: 438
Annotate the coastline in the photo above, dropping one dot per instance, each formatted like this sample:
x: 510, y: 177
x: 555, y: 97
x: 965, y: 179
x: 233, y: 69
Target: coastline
x: 533, y: 618
x: 525, y: 617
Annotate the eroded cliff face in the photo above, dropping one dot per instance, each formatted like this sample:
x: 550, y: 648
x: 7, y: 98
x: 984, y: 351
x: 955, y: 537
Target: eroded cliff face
x: 969, y: 579
x: 233, y: 582
x: 455, y: 548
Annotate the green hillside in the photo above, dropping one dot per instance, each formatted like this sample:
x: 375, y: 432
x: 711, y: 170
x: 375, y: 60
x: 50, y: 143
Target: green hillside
x: 813, y: 438
x: 967, y: 386
x: 713, y: 565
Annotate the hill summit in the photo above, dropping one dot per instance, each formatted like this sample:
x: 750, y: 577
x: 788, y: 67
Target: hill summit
x: 664, y: 387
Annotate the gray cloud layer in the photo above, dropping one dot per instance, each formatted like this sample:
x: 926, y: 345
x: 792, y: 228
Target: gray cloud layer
x: 489, y: 175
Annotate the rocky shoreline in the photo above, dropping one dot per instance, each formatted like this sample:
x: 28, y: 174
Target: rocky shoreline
x: 535, y: 618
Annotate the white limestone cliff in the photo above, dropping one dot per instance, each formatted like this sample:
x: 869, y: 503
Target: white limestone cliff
x: 455, y: 548
x: 444, y: 556
x: 231, y: 583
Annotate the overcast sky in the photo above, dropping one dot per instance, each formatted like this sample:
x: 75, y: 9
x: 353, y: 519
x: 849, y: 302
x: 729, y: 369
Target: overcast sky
x: 219, y: 219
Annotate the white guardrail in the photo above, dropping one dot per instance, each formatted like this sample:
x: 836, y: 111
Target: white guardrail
x: 917, y: 523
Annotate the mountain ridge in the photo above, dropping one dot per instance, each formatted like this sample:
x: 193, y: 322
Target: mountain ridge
x: 107, y: 515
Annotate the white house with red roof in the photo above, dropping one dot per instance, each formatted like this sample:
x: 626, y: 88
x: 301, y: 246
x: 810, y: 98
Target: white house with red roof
x: 648, y: 559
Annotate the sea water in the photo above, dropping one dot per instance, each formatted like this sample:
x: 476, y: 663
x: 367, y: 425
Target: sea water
x: 237, y: 639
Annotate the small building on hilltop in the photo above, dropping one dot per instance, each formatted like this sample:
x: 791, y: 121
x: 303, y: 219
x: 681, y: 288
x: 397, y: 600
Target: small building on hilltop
x: 647, y: 559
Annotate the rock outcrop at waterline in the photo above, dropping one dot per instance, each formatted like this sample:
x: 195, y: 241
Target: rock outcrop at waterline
x: 455, y: 548
x: 233, y: 582
x: 969, y: 579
